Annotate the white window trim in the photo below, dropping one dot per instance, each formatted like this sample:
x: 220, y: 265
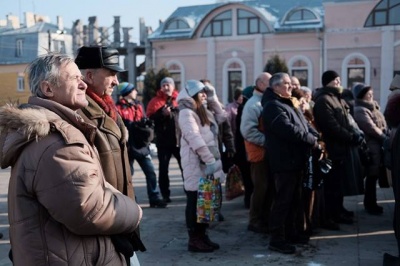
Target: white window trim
x: 345, y: 66
x: 225, y: 70
x: 309, y: 67
x: 20, y: 47
x: 20, y: 81
x: 288, y: 22
x: 181, y: 68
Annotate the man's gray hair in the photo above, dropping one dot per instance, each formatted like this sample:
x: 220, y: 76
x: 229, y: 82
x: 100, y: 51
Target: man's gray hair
x: 277, y: 78
x: 45, y: 68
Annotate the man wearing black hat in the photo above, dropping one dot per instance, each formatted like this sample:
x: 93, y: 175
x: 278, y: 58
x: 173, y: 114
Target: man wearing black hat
x: 99, y: 67
x: 332, y: 117
x: 141, y: 132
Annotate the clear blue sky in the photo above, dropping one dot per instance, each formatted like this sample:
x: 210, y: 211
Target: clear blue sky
x: 70, y: 10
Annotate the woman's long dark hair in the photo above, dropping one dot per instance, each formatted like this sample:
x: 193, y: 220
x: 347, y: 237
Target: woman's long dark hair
x: 201, y: 110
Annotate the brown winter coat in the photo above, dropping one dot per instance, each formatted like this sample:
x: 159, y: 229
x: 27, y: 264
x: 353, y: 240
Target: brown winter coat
x: 110, y: 141
x: 61, y: 209
x: 371, y: 121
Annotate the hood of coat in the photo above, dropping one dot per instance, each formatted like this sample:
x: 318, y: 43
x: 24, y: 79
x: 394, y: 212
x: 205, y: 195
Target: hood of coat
x: 21, y: 125
x: 369, y: 105
x: 185, y: 101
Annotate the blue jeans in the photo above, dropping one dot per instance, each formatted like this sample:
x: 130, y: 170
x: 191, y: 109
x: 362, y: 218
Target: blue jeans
x: 146, y: 164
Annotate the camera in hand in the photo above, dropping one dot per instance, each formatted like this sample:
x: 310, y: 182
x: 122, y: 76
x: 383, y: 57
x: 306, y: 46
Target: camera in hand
x: 173, y: 109
x: 145, y: 122
x: 325, y: 165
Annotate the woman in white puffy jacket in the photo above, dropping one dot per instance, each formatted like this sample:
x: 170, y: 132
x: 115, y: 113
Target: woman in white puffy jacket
x: 200, y: 112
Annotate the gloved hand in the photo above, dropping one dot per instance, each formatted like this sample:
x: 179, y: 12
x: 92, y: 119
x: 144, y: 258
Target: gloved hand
x: 123, y: 244
x: 210, y: 92
x: 210, y: 168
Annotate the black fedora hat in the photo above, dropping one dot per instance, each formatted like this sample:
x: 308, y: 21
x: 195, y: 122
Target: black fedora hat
x: 98, y: 57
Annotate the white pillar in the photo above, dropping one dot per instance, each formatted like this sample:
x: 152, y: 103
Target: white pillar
x: 211, y: 67
x: 387, y: 63
x: 258, y: 57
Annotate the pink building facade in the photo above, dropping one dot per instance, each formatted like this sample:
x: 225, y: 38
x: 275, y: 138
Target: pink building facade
x: 230, y: 43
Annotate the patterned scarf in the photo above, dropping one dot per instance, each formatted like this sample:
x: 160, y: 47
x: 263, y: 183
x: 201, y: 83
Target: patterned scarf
x: 105, y: 102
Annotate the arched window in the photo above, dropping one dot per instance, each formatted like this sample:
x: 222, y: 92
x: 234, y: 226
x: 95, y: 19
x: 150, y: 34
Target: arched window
x: 300, y: 67
x: 221, y: 25
x: 355, y: 72
x: 300, y: 16
x: 355, y: 69
x: 249, y: 23
x: 177, y: 24
x: 386, y: 12
x: 176, y: 69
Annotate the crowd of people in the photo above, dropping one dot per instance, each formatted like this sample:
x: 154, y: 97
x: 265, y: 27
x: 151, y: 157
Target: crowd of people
x: 300, y: 152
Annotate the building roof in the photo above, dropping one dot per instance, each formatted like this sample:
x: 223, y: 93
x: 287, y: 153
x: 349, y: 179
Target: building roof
x: 33, y: 40
x: 272, y: 11
x: 38, y: 27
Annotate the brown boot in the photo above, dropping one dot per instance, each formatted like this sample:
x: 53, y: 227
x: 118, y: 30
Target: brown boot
x: 197, y: 243
x: 202, y: 230
x: 208, y: 241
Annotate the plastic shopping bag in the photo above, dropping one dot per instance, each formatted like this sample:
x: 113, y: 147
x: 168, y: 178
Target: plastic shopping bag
x: 208, y: 199
x: 234, y: 184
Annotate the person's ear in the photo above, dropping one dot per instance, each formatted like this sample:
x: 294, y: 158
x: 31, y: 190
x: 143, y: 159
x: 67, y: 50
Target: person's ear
x: 88, y: 78
x: 46, y: 89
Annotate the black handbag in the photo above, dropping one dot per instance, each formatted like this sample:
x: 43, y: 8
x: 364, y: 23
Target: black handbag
x: 364, y: 153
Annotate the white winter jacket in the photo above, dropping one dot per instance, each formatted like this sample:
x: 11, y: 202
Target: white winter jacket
x: 199, y: 144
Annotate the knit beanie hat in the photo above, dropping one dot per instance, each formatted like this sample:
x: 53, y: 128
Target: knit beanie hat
x: 359, y: 90
x: 248, y: 92
x: 193, y: 87
x: 167, y: 80
x: 328, y: 76
x: 125, y: 88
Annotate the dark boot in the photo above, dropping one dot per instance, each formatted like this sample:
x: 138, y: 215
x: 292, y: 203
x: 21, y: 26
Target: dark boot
x: 370, y: 196
x: 197, y: 243
x: 207, y: 240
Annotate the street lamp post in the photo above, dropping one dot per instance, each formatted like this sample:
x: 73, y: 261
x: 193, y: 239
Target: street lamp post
x: 49, y: 39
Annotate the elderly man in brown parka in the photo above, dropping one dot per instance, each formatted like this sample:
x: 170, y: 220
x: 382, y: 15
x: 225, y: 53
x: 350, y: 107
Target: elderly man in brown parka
x: 61, y: 210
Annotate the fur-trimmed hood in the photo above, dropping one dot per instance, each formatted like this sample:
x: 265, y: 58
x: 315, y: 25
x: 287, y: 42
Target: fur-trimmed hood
x: 20, y: 125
